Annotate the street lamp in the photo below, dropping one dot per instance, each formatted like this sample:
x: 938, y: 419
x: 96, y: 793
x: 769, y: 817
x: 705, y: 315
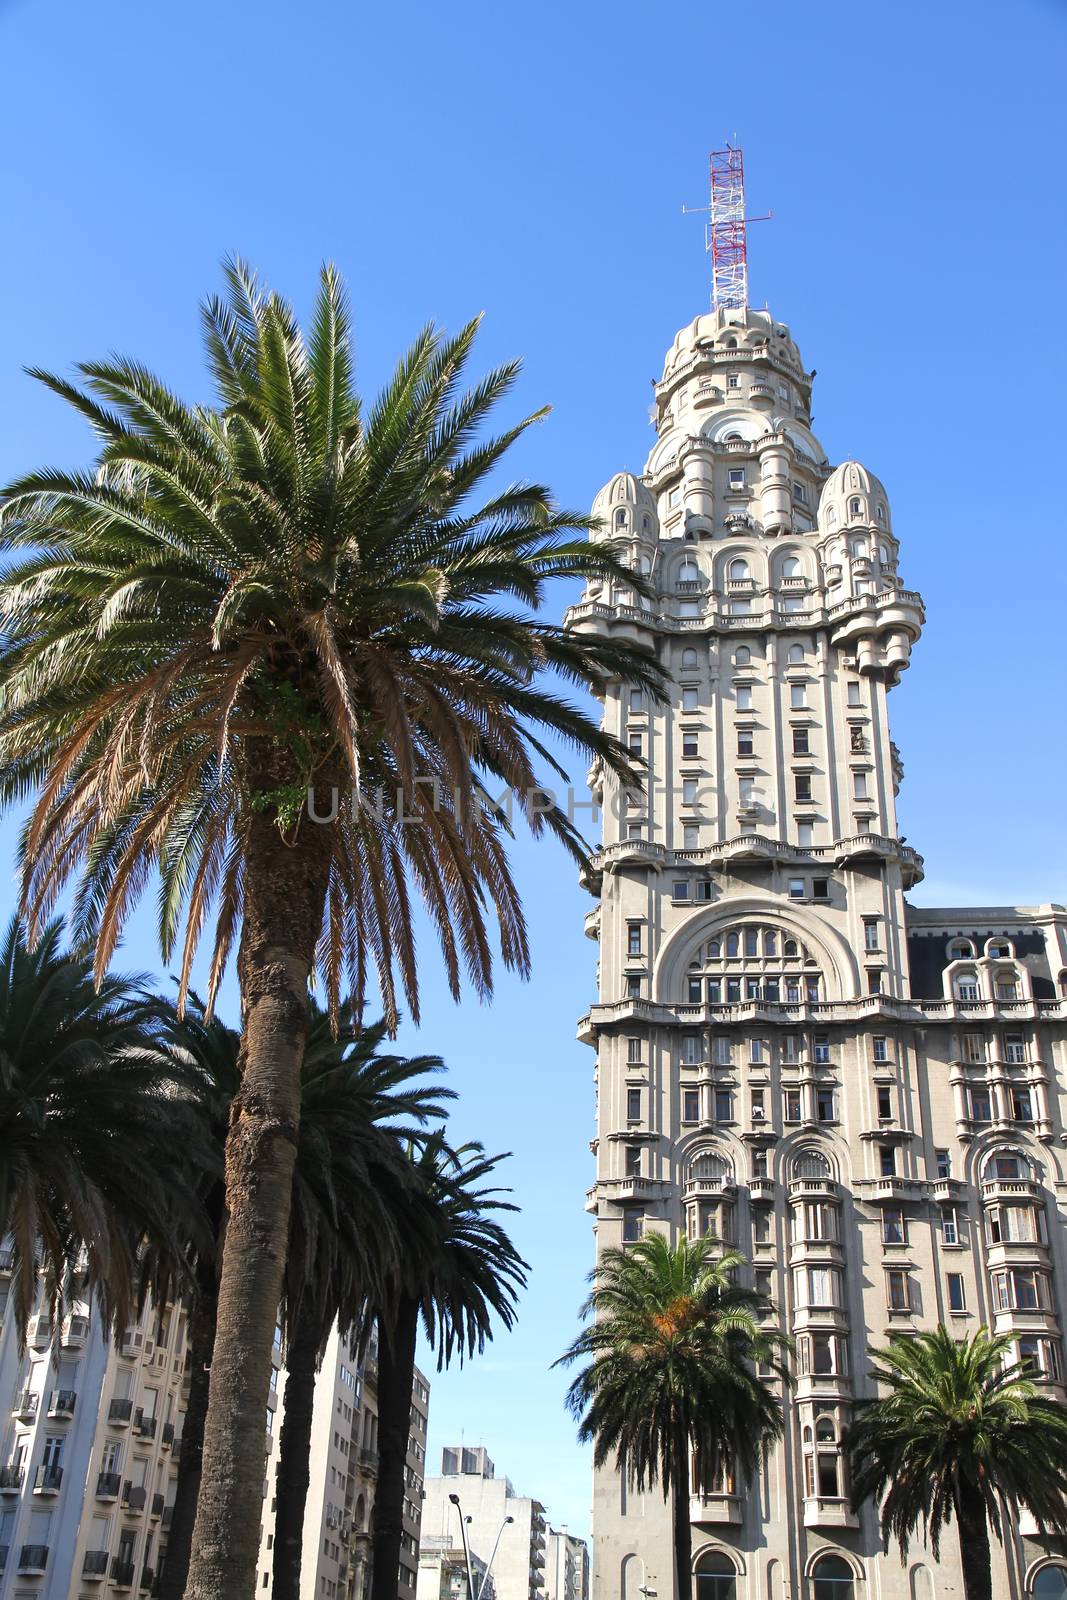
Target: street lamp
x: 466, y: 1544
x: 492, y: 1558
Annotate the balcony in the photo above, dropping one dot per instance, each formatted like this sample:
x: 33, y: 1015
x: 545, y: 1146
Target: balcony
x: 714, y: 1508
x: 134, y: 1499
x: 997, y: 1189
x: 25, y: 1405
x: 824, y: 1512
x: 39, y: 1334
x: 368, y: 1463
x: 122, y: 1572
x: 75, y: 1332
x: 119, y: 1412
x: 168, y: 1516
x: 94, y: 1565
x: 10, y: 1480
x: 148, y: 1578
x: 761, y: 1191
x: 108, y: 1485
x: 144, y: 1426
x: 812, y: 1189
x: 48, y: 1480
x: 946, y: 1190
x: 33, y: 1560
x: 890, y: 1190
x: 166, y: 1435
x: 61, y: 1403
x: 156, y: 1509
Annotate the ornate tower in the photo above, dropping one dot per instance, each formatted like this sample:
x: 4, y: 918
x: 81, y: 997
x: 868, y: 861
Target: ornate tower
x: 766, y: 1069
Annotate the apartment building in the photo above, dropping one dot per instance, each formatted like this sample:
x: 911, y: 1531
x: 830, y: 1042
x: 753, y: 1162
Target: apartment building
x: 506, y: 1531
x: 867, y: 1097
x: 566, y: 1566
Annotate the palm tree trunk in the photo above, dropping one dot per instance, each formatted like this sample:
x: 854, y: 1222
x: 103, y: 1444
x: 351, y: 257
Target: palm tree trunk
x: 294, y: 1449
x: 975, y: 1556
x: 285, y: 893
x: 183, y: 1513
x: 683, y: 1530
x: 396, y: 1372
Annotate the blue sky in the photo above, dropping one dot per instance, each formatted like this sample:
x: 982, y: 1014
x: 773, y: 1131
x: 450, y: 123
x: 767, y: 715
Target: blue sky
x: 531, y: 163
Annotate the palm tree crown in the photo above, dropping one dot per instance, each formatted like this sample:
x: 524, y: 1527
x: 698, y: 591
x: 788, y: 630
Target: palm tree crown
x: 959, y: 1428
x: 279, y: 594
x: 99, y: 1148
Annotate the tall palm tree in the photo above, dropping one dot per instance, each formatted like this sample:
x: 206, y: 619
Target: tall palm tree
x: 239, y: 613
x: 357, y: 1107
x: 671, y: 1392
x: 467, y: 1273
x: 959, y: 1430
x: 351, y: 1225
x: 98, y: 1148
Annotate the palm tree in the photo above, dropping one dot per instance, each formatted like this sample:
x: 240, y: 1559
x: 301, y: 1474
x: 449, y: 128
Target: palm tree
x: 467, y: 1274
x: 959, y: 1431
x: 98, y: 1149
x: 239, y: 613
x: 351, y: 1224
x: 671, y: 1392
x: 357, y: 1106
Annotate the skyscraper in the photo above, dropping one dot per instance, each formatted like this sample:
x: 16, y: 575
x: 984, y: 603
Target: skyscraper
x: 866, y: 1097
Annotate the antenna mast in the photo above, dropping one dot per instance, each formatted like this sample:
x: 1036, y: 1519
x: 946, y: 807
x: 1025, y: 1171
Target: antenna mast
x: 726, y: 238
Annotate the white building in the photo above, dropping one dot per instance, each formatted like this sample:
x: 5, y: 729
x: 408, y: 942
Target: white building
x: 868, y: 1098
x: 566, y: 1566
x: 517, y: 1570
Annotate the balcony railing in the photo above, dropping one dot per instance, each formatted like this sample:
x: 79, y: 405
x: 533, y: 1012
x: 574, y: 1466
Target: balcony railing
x: 148, y: 1577
x: 122, y: 1572
x: 33, y: 1559
x: 25, y: 1405
x: 48, y: 1480
x: 120, y: 1411
x: 10, y: 1480
x: 145, y: 1426
x: 108, y: 1485
x: 157, y: 1506
x: 94, y: 1564
x: 61, y: 1403
x: 167, y: 1435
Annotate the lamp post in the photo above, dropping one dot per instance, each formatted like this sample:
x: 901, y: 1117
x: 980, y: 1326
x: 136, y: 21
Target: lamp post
x: 492, y: 1558
x: 466, y: 1545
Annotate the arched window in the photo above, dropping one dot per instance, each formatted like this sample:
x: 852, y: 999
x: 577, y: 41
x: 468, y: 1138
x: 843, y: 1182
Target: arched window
x: 689, y: 658
x: 1007, y: 1166
x: 711, y: 1168
x: 790, y: 947
x: 832, y: 1579
x: 961, y: 950
x: 883, y: 555
x: 770, y: 943
x: 739, y: 570
x: 733, y: 945
x: 688, y: 571
x: 999, y: 950
x: 716, y: 1577
x: 620, y: 518
x: 1050, y: 1584
x: 857, y: 548
x: 810, y: 1164
x: 796, y: 653
x: 742, y: 656
x: 881, y: 514
x: 791, y: 567
x: 965, y: 987
x: 646, y: 523
x: 855, y: 507
x: 822, y: 1467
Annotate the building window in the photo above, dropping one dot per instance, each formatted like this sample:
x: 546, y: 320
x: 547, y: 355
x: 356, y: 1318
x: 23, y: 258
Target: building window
x: 743, y: 697
x: 897, y: 1289
x: 1015, y: 1049
x: 737, y: 478
x: 724, y: 1105
x: 874, y: 980
x: 1020, y: 1289
x: 805, y: 834
x: 1022, y: 1107
x: 689, y: 698
x: 633, y: 988
x: 820, y: 888
x: 802, y: 786
x: 633, y: 1105
x: 690, y: 1105
x: 825, y: 1109
x: 950, y: 1228
x: 690, y: 749
x: 800, y: 742
x: 943, y: 1164
x: 885, y: 1103
x: 692, y: 1053
x: 633, y: 1160
x: 887, y: 1161
x: 854, y: 692
x: 821, y: 1049
x: 880, y: 1048
x: 759, y: 1105
x: 633, y: 938
x: 859, y: 785
x: 633, y: 1224
x: 680, y: 889
x: 981, y: 1105
x: 791, y: 1099
x: 797, y: 888
x: 634, y: 1053
x: 721, y: 1050
x: 745, y: 742
x: 973, y: 1047
x: 798, y: 696
x: 957, y: 1300
x: 893, y: 1229
x: 871, y: 934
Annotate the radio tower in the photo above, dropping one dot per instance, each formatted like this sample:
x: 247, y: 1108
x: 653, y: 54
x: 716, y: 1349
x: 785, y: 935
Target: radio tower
x: 726, y: 229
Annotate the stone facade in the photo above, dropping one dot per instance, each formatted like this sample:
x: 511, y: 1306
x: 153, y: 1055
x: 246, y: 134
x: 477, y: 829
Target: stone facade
x: 866, y: 1097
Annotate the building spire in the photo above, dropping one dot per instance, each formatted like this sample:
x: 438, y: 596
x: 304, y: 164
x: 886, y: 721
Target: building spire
x: 725, y: 230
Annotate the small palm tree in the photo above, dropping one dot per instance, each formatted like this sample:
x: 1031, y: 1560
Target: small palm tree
x: 242, y: 609
x: 671, y: 1394
x: 959, y: 1431
x: 459, y: 1271
x: 98, y: 1149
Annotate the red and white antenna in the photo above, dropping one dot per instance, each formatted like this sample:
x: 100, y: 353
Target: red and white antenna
x: 725, y: 230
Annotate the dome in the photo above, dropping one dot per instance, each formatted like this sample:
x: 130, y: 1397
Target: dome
x: 627, y: 508
x: 731, y: 328
x: 852, y: 496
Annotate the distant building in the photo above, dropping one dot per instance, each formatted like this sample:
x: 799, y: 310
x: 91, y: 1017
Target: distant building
x: 566, y: 1567
x: 518, y: 1570
x: 443, y: 1570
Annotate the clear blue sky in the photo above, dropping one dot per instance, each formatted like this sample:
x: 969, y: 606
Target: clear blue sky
x: 531, y: 162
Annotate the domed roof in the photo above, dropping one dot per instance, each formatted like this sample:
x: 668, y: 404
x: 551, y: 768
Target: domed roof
x: 852, y: 494
x: 728, y: 328
x: 624, y: 489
